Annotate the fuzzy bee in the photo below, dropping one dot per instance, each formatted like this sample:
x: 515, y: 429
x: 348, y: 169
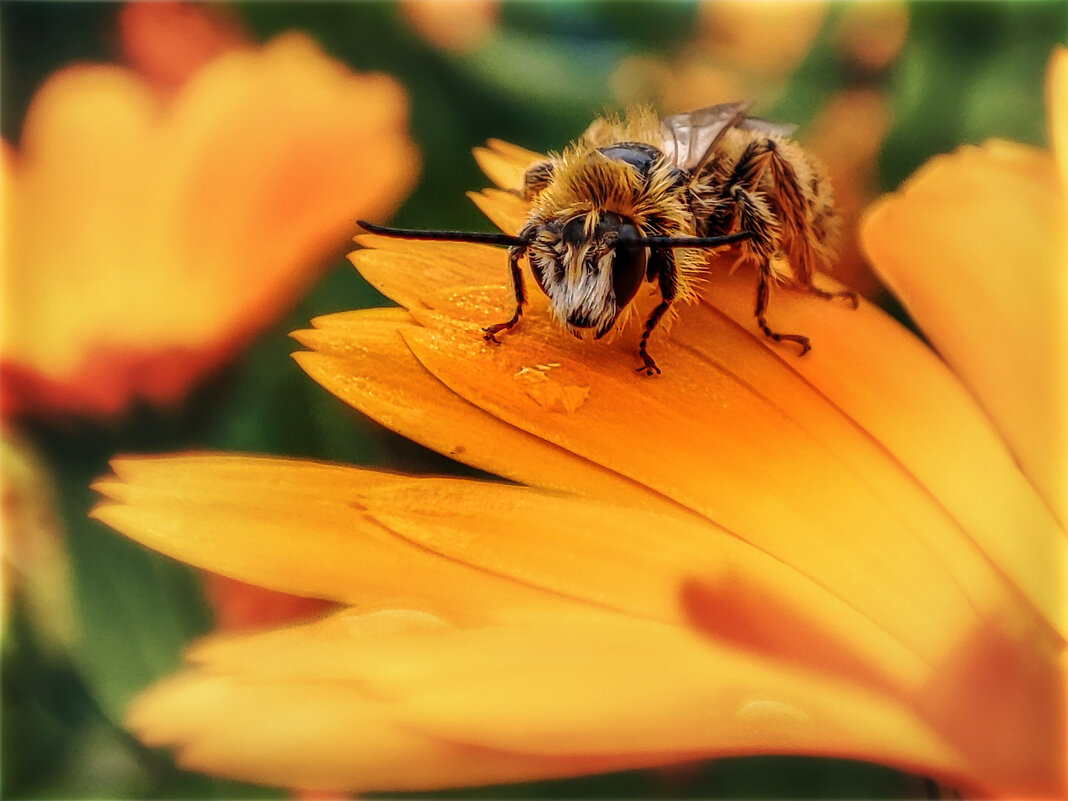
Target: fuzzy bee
x: 643, y: 199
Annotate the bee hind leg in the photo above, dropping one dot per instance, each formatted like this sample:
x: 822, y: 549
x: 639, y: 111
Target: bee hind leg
x: 763, y: 290
x: 490, y: 332
x: 846, y: 294
x: 752, y: 213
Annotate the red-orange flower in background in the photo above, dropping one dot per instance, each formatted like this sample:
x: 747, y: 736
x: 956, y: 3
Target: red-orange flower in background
x: 880, y: 578
x: 148, y: 236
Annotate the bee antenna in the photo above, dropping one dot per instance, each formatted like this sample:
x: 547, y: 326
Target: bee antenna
x: 668, y: 242
x: 445, y: 236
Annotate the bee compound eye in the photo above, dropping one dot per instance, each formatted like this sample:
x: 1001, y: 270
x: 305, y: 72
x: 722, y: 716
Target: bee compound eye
x: 540, y: 270
x: 628, y: 266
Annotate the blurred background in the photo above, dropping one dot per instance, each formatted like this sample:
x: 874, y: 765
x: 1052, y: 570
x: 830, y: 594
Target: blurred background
x: 175, y: 204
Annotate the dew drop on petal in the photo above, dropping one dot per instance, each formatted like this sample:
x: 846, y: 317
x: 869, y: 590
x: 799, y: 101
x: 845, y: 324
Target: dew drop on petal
x: 768, y: 710
x: 549, y: 392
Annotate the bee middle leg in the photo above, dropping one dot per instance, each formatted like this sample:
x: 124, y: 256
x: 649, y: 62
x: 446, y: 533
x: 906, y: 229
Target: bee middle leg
x: 763, y: 290
x: 490, y: 332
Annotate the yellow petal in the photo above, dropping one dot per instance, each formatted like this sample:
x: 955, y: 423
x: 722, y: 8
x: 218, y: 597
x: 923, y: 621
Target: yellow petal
x: 974, y: 246
x: 624, y: 558
x: 505, y: 210
x: 297, y: 527
x: 505, y: 164
x: 323, y: 736
x: 548, y: 687
x: 458, y: 276
x: 314, y: 531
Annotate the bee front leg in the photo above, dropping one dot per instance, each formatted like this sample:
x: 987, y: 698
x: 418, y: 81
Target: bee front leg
x: 668, y: 279
x: 490, y: 332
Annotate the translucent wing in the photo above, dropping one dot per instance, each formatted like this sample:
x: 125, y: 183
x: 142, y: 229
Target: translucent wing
x: 689, y: 138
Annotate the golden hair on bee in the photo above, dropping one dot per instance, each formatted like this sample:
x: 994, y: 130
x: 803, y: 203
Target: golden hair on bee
x: 639, y: 199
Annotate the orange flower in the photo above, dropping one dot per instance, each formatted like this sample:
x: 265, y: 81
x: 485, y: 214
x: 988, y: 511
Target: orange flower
x: 880, y: 578
x: 146, y: 239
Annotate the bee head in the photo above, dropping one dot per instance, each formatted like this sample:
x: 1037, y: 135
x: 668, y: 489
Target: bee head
x: 586, y: 267
x: 590, y: 264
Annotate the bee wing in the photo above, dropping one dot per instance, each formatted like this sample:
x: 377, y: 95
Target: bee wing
x: 689, y: 139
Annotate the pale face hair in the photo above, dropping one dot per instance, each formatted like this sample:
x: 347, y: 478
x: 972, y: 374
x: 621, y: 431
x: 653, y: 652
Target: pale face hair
x: 587, y: 278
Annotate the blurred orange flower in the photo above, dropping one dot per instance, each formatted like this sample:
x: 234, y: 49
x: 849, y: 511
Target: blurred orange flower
x: 879, y: 578
x: 166, y: 42
x: 456, y: 26
x: 148, y: 237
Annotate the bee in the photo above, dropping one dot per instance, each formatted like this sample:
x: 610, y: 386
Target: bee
x: 643, y: 199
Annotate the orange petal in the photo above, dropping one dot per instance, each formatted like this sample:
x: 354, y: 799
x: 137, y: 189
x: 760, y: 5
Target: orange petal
x: 974, y: 245
x: 237, y: 606
x: 707, y: 438
x: 999, y: 679
x: 361, y: 357
x: 897, y: 392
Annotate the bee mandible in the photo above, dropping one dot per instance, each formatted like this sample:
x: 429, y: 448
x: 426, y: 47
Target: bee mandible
x: 643, y: 199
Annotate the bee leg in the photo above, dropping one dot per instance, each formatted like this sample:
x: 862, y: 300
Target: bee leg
x: 648, y: 365
x: 536, y: 179
x: 752, y: 213
x: 763, y: 289
x: 845, y: 293
x: 490, y: 332
x: 668, y: 287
